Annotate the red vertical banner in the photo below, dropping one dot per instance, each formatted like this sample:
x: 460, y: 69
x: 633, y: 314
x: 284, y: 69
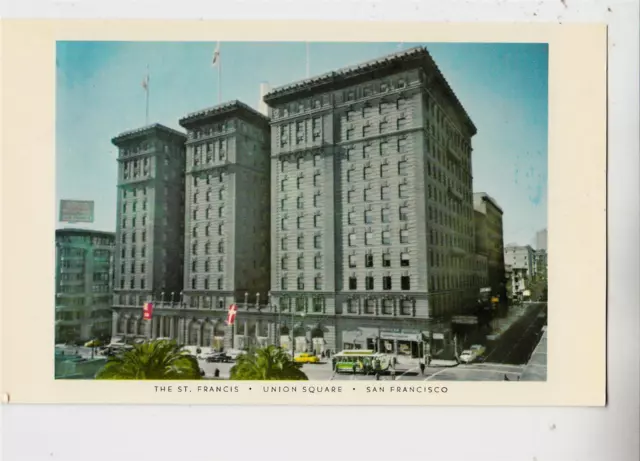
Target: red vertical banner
x: 147, y: 311
x: 231, y: 314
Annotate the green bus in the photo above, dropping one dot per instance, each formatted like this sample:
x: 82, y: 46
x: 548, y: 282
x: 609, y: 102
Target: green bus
x: 365, y: 361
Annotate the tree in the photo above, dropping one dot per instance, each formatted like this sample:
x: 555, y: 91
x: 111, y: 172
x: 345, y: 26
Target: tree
x: 152, y: 360
x: 538, y: 287
x: 268, y: 363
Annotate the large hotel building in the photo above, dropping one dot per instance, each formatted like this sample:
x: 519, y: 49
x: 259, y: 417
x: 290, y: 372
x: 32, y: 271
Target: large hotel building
x: 372, y: 226
x: 150, y: 227
x: 345, y: 219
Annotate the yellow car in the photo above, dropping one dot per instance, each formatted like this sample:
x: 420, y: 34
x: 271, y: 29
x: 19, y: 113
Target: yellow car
x: 92, y: 343
x: 306, y: 357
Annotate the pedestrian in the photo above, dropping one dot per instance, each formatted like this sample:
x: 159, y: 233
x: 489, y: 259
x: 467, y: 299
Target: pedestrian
x: 354, y: 368
x: 422, y: 366
x: 333, y: 363
x: 393, y: 374
x: 377, y: 376
x: 216, y: 373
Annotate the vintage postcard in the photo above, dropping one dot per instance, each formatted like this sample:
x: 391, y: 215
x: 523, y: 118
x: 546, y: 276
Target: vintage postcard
x: 268, y: 213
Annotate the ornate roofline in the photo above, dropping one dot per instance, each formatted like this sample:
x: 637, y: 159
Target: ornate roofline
x: 414, y: 57
x: 145, y: 130
x: 223, y: 110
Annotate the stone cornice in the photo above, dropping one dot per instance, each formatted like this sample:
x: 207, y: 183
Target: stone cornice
x: 145, y: 131
x: 223, y: 111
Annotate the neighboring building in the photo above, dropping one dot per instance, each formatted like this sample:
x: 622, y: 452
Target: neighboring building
x: 150, y: 226
x: 489, y: 239
x: 522, y: 262
x: 541, y: 240
x: 84, y: 267
x: 227, y: 222
x: 540, y: 264
x: 372, y: 208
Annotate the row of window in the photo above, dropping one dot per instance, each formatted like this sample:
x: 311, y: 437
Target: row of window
x: 317, y: 242
x: 386, y: 307
x: 133, y: 192
x: 143, y: 251
x: 367, y: 171
x: 207, y: 247
x: 209, y: 178
x: 385, y: 215
x: 299, y: 162
x: 84, y: 240
x: 194, y: 265
x: 132, y: 284
x: 385, y: 193
x: 383, y: 149
x: 405, y: 260
x: 207, y: 213
x: 369, y: 109
x: 383, y: 127
x: 317, y: 283
x: 300, y: 182
x: 221, y: 195
x: 219, y: 283
x: 134, y: 206
x: 133, y: 222
x: 143, y: 236
x: 207, y: 231
x: 369, y: 283
x: 385, y: 237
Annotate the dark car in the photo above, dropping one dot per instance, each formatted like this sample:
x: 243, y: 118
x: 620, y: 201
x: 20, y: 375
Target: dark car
x: 220, y: 357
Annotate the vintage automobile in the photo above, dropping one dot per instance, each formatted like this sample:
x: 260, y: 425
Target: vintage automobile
x: 306, y: 357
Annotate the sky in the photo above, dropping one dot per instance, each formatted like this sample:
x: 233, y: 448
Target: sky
x: 99, y: 94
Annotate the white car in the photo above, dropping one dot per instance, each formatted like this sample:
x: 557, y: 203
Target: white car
x: 468, y: 356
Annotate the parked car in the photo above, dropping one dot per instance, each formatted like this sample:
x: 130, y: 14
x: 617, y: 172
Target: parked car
x: 468, y: 356
x: 306, y: 357
x: 93, y: 343
x: 218, y: 357
x: 234, y: 353
x: 478, y: 349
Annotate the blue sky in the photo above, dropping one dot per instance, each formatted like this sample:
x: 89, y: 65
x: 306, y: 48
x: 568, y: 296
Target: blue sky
x: 503, y: 87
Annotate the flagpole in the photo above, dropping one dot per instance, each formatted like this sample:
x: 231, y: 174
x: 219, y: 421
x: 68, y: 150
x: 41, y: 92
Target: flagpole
x: 146, y: 120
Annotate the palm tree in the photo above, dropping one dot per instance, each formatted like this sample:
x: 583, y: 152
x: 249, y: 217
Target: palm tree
x: 268, y: 363
x: 152, y: 360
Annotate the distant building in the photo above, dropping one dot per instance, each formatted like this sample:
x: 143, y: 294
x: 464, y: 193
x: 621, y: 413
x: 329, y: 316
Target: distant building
x: 490, y: 240
x: 541, y: 240
x: 150, y: 227
x: 84, y: 267
x: 372, y: 206
x: 540, y: 268
x: 522, y: 262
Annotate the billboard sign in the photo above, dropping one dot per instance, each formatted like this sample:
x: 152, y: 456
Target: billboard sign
x: 73, y: 211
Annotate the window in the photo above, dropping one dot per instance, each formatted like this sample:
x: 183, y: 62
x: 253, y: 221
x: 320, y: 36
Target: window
x: 317, y: 241
x: 369, y: 283
x: 385, y: 215
x: 283, y: 243
x: 300, y: 242
x: 370, y: 306
x: 220, y: 228
x: 406, y: 307
x: 194, y: 232
x: 144, y: 220
x: 352, y: 261
x: 387, y: 307
x: 316, y: 199
x: 142, y: 284
x: 350, y: 196
x: 298, y: 162
x: 349, y: 134
x: 384, y: 170
x: 316, y: 157
x: 317, y: 304
x: 402, y: 167
x: 317, y: 262
x: 386, y: 237
x: 353, y: 283
x: 220, y: 283
x: 368, y: 238
x: 368, y: 216
x: 299, y: 182
x: 193, y: 283
x: 283, y: 224
x: 194, y: 265
x: 194, y: 248
x: 367, y: 194
x: 366, y: 152
x: 220, y: 265
x: 352, y: 239
x: 402, y: 145
x: 221, y: 194
x: 352, y: 306
x: 349, y: 174
x: 206, y: 230
x: 283, y: 263
x: 384, y: 127
x: 131, y: 284
x: 386, y: 260
x: 402, y: 123
x: 351, y: 217
x: 220, y: 212
x: 124, y: 223
x: 300, y: 203
x: 206, y: 266
x: 402, y: 190
x: 299, y: 222
x: 317, y: 282
x: 366, y: 131
x: 386, y: 282
x: 316, y: 179
x: 404, y: 236
x: 300, y: 283
x: 384, y: 193
x: 405, y: 282
x: 404, y: 259
x: 366, y: 173
x: 220, y: 246
x: 368, y: 260
x: 316, y: 220
x: 206, y: 283
x: 282, y: 184
x: 195, y: 198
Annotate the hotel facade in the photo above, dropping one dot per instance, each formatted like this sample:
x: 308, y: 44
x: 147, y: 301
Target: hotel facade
x: 372, y: 220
